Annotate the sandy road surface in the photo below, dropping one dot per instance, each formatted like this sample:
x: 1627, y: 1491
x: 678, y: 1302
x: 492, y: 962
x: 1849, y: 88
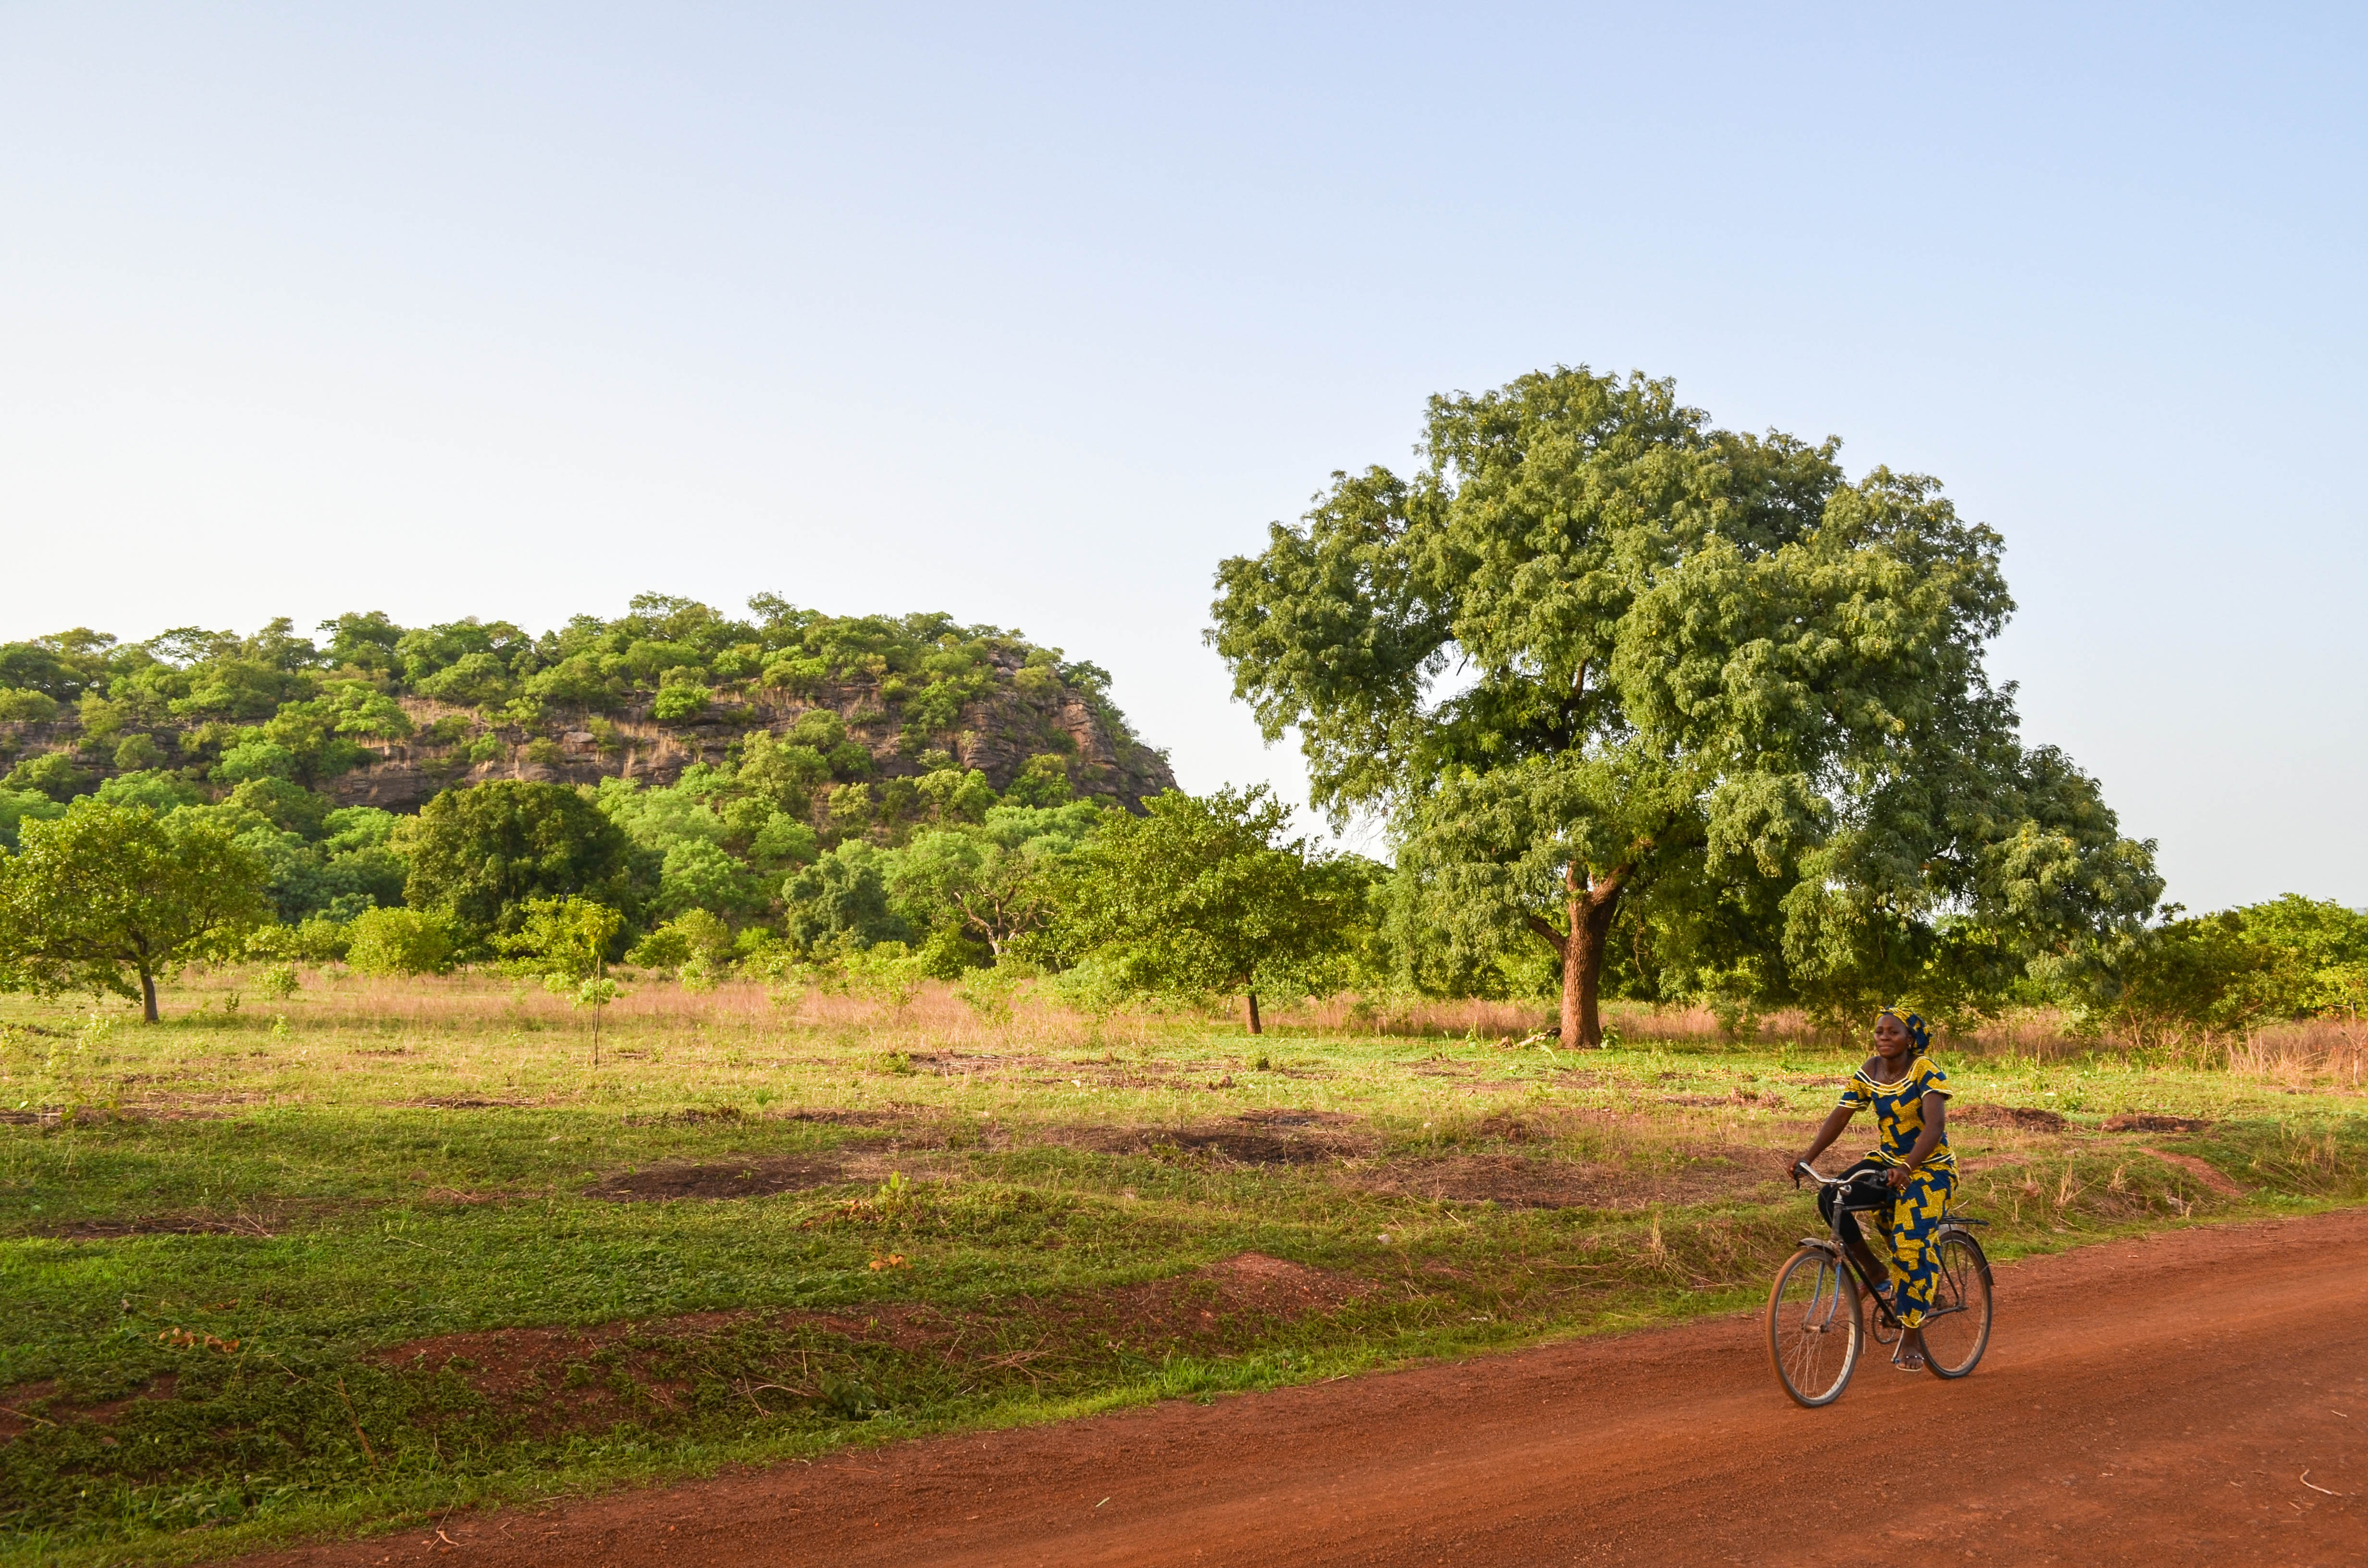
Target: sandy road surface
x: 2155, y: 1401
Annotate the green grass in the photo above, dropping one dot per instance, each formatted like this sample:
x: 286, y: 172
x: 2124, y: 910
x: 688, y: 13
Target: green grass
x: 224, y: 1240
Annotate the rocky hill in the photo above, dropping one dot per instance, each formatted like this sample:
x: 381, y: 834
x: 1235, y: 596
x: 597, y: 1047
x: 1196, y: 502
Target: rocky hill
x: 384, y: 715
x: 1000, y: 732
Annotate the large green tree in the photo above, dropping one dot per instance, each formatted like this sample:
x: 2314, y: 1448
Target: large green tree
x: 994, y: 882
x: 1206, y: 894
x: 109, y: 898
x: 1597, y: 655
x: 481, y: 855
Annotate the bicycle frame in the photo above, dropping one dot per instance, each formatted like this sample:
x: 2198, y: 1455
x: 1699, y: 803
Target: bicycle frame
x: 1849, y: 1247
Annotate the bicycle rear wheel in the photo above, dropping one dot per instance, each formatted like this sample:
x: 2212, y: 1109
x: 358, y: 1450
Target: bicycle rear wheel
x: 1957, y: 1326
x: 1814, y: 1327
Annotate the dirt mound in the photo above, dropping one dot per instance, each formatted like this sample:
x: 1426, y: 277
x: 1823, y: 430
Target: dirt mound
x: 1519, y: 1181
x: 848, y: 1118
x: 1212, y: 1305
x: 2030, y: 1118
x: 586, y: 1381
x: 461, y: 1105
x: 733, y: 1178
x: 2147, y: 1121
x: 2209, y: 1175
x: 37, y: 1403
x: 152, y: 1225
x: 1257, y: 1138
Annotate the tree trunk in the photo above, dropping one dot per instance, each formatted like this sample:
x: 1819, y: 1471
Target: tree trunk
x: 148, y: 995
x: 1592, y: 904
x: 1254, y: 1017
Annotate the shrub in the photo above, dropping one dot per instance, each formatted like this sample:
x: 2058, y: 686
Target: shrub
x: 399, y: 941
x: 696, y: 936
x: 22, y: 706
x: 681, y: 704
x: 54, y: 774
x: 256, y: 759
x: 138, y: 754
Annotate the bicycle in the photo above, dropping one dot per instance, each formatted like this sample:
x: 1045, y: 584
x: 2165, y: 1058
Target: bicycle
x: 1815, y: 1323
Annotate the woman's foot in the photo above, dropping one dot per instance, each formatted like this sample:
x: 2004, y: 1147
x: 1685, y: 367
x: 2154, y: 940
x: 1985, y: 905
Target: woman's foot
x: 1911, y: 1351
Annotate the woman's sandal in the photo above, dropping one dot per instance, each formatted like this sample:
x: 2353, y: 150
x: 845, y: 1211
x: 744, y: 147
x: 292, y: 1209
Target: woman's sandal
x: 1910, y: 1362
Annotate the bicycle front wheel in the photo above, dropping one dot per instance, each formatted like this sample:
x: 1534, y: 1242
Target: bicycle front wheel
x: 1814, y: 1327
x: 1957, y: 1326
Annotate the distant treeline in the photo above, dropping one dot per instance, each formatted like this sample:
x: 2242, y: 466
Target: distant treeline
x: 828, y: 818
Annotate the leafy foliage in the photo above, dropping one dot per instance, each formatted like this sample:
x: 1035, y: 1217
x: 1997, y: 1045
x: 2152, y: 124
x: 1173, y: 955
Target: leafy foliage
x: 1706, y: 686
x: 1203, y: 894
x: 482, y: 856
x: 399, y: 941
x: 107, y: 899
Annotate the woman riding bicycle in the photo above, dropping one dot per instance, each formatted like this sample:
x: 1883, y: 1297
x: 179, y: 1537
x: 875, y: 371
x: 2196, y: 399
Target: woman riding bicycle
x: 1909, y: 1096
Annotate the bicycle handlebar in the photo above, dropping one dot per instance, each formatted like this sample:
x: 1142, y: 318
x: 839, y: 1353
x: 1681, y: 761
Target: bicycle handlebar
x: 1807, y: 1169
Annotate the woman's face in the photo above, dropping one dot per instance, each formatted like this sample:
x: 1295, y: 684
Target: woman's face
x: 1890, y: 1038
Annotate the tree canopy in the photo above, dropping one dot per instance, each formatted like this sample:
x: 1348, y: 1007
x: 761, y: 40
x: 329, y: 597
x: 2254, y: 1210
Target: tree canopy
x: 1599, y: 661
x: 483, y: 856
x: 1205, y: 894
x: 106, y: 899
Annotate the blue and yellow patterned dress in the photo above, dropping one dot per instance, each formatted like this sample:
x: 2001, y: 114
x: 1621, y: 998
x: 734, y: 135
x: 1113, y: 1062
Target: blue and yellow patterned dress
x: 1911, y: 1216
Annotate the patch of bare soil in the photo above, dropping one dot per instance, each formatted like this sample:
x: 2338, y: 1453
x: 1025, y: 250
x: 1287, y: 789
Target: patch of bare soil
x: 691, y: 1116
x: 462, y: 1104
x: 1223, y: 1302
x: 29, y: 1405
x: 561, y: 1380
x: 1292, y: 1116
x: 1736, y: 1096
x: 1522, y: 1181
x: 760, y: 1177
x: 2208, y: 1175
x: 2143, y: 1121
x: 848, y: 1118
x: 152, y: 1225
x: 1254, y: 1138
x: 2029, y: 1119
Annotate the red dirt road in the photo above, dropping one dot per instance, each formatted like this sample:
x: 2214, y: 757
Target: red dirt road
x: 2156, y: 1402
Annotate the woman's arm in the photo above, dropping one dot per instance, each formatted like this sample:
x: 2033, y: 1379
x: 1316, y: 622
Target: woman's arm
x: 1835, y: 1119
x: 1936, y: 1113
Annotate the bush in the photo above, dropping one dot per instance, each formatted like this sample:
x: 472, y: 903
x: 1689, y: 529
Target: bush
x: 53, y: 774
x: 159, y: 791
x: 20, y: 705
x: 696, y: 936
x: 138, y: 754
x: 681, y: 704
x: 399, y: 941
x: 256, y: 759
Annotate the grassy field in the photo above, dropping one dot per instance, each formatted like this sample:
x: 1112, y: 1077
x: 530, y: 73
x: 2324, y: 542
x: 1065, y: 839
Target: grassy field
x: 324, y: 1261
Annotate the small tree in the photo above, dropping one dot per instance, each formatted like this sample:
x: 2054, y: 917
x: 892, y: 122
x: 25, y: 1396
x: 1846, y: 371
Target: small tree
x: 1203, y: 894
x: 566, y: 941
x: 107, y: 899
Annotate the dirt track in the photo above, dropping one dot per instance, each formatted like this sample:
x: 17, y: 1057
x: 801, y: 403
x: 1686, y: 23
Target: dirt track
x: 2154, y: 1402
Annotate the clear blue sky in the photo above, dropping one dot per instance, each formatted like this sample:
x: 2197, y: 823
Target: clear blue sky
x: 1033, y: 316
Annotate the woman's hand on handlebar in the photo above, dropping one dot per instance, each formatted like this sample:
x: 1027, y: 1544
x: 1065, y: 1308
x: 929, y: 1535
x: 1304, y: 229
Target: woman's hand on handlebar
x: 1898, y: 1177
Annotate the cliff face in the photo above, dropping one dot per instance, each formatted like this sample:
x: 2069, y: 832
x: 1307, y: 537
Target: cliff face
x: 1000, y: 731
